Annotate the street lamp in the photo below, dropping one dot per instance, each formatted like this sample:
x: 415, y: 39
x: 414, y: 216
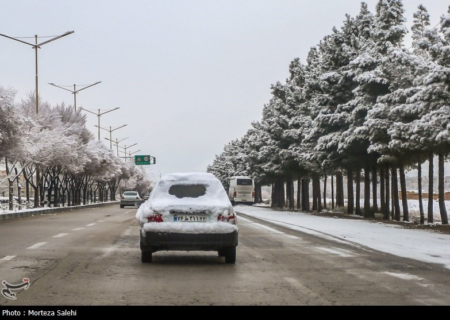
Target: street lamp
x: 127, y: 147
x: 117, y: 143
x: 99, y: 115
x: 110, y: 133
x: 75, y: 91
x: 36, y: 46
x: 130, y: 153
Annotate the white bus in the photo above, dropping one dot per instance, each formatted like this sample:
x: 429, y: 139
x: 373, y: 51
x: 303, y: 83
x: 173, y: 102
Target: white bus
x: 242, y: 190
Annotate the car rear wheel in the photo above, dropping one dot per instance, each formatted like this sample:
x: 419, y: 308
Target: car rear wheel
x: 230, y: 255
x: 221, y: 252
x: 146, y: 256
x: 121, y: 206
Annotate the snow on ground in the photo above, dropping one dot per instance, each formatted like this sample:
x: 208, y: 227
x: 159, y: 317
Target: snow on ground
x: 415, y: 244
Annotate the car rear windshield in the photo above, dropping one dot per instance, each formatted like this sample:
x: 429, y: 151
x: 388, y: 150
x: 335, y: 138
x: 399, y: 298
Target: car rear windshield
x: 130, y: 193
x: 244, y: 182
x: 187, y: 190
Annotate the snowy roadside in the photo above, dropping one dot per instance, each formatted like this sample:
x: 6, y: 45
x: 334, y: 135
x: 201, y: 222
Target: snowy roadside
x: 420, y: 244
x: 14, y: 214
x: 413, y: 209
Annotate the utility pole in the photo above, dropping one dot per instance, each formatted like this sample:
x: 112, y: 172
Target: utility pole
x: 98, y: 116
x: 117, y: 143
x: 110, y: 133
x: 127, y: 147
x: 37, y: 46
x: 75, y: 91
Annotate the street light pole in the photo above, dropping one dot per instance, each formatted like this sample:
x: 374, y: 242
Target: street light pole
x: 75, y: 91
x: 37, y: 46
x: 117, y: 143
x: 130, y: 153
x: 125, y: 147
x: 99, y: 115
x: 110, y: 133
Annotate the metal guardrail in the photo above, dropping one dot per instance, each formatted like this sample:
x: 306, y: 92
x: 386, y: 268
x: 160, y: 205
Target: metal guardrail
x: 7, y: 215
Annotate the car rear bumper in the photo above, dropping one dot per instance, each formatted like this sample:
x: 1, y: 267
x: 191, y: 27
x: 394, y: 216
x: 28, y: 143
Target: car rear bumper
x: 157, y: 241
x: 128, y: 202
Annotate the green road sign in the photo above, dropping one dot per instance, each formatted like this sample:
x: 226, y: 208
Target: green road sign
x: 142, y: 160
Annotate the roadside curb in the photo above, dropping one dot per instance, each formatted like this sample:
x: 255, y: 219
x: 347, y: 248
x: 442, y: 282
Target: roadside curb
x: 25, y: 213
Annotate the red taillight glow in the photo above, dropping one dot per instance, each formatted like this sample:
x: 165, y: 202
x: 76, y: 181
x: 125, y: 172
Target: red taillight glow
x: 228, y: 218
x: 253, y: 194
x: 234, y: 194
x: 155, y: 218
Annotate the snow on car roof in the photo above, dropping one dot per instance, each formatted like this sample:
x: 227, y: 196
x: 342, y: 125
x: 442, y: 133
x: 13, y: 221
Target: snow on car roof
x: 160, y: 199
x: 189, y: 176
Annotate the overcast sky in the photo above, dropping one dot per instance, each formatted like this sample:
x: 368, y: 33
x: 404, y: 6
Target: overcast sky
x: 188, y: 76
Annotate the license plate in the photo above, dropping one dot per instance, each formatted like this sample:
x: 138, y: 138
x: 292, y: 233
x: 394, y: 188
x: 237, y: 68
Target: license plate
x: 189, y: 218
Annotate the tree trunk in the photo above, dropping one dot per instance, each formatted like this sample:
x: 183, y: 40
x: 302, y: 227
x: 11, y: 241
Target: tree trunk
x: 430, y: 218
x: 419, y: 186
x: 332, y: 191
x: 305, y: 194
x: 401, y: 169
x: 273, y: 199
x: 350, y: 198
x: 314, y: 193
x: 395, y: 200
x: 339, y: 189
x: 298, y: 192
x: 319, y: 201
x: 358, y: 192
x: 325, y: 191
x: 27, y: 189
x: 387, y: 213
x: 367, y: 213
x: 442, y: 209
x: 382, y: 191
x: 256, y: 193
x: 292, y: 203
x: 288, y: 192
x: 374, y: 188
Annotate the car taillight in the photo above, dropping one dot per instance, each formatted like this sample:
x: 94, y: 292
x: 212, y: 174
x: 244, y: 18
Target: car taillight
x: 234, y: 194
x: 137, y: 198
x: 253, y: 194
x: 231, y: 218
x: 155, y: 218
x: 122, y: 197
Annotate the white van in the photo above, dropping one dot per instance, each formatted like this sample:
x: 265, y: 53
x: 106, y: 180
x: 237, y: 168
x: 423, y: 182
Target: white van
x: 242, y: 190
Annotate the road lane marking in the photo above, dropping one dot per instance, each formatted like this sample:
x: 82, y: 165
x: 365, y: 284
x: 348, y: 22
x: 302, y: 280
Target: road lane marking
x: 7, y: 258
x: 404, y: 276
x: 60, y: 235
x: 267, y: 228
x: 90, y: 224
x: 77, y: 229
x: 339, y: 252
x: 37, y: 245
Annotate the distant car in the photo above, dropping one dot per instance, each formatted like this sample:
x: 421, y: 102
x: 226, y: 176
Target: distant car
x: 188, y: 212
x: 129, y: 198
